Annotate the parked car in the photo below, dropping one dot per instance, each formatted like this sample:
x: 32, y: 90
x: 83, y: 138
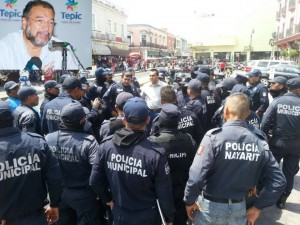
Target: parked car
x: 287, y: 71
x: 264, y: 64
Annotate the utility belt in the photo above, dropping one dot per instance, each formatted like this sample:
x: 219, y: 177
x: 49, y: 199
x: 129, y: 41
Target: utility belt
x: 221, y: 200
x: 292, y: 137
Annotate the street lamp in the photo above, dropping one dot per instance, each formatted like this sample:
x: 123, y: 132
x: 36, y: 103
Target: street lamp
x: 250, y: 45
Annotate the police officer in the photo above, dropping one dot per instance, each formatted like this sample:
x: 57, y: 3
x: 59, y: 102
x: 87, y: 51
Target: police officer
x: 98, y: 89
x: 110, y: 126
x: 51, y: 92
x: 259, y: 93
x: 277, y: 87
x: 131, y: 172
x: 229, y: 162
x: 111, y: 94
x: 51, y: 115
x: 135, y: 82
x: 29, y: 172
x: 182, y: 95
x: 283, y: 114
x: 197, y: 104
x: 211, y: 98
x: 25, y: 116
x: 180, y: 150
x: 75, y: 152
x: 188, y: 120
x: 11, y: 88
x: 109, y: 77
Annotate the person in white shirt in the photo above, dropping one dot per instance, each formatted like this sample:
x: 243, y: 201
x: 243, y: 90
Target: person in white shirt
x: 17, y: 48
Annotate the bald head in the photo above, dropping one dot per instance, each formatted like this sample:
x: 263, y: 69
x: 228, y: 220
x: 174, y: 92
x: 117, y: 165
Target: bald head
x: 236, y: 107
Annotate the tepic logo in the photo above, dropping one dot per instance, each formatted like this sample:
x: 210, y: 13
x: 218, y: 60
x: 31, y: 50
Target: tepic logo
x: 10, y: 3
x: 71, y: 5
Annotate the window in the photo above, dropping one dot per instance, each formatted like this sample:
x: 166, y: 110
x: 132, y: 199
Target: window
x: 122, y: 30
x: 144, y: 39
x: 108, y: 29
x: 115, y: 27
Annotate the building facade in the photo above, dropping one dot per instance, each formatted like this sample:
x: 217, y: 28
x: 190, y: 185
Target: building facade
x: 246, y: 37
x: 154, y: 43
x: 109, y: 34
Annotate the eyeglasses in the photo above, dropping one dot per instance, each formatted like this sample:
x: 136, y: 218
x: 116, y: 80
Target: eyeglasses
x: 152, y: 75
x: 41, y: 22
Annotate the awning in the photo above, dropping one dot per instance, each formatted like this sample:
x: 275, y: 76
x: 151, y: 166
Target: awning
x: 101, y: 50
x: 118, y: 52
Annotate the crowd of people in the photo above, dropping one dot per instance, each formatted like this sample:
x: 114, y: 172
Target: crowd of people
x: 118, y: 152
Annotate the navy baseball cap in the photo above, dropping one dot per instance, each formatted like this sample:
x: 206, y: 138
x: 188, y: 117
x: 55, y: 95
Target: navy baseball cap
x: 194, y: 85
x: 135, y: 110
x: 169, y: 114
x: 227, y: 83
x: 71, y: 83
x: 63, y: 77
x: 241, y: 78
x: 72, y: 113
x: 10, y: 85
x: 279, y: 79
x: 25, y: 92
x: 203, y: 77
x: 99, y: 72
x: 5, y: 112
x: 240, y: 88
x: 293, y: 83
x: 254, y: 73
x: 122, y: 98
x: 206, y: 70
x: 51, y: 84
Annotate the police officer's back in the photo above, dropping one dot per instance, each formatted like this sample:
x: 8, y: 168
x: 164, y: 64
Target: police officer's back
x: 135, y: 170
x: 29, y: 172
x: 26, y: 118
x: 197, y: 104
x: 180, y: 150
x: 75, y: 152
x: 51, y: 115
x: 230, y: 161
x: 284, y: 115
x: 259, y: 93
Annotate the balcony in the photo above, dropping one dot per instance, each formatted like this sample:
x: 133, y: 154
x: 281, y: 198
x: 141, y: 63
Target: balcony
x: 96, y: 34
x: 283, y: 11
x: 292, y: 5
x: 152, y: 45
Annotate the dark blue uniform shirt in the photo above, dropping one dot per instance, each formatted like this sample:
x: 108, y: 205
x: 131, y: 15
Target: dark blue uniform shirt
x: 199, y: 107
x: 259, y: 97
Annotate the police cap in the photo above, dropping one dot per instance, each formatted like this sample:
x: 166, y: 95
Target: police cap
x: 99, y: 72
x: 71, y: 83
x: 169, y: 114
x: 25, y: 92
x: 279, y: 79
x: 51, y: 84
x: 63, y: 77
x: 122, y: 98
x: 72, y: 113
x: 254, y: 73
x: 135, y: 110
x: 241, y: 78
x: 227, y: 83
x: 203, y: 77
x: 5, y: 113
x: 293, y: 83
x: 10, y: 85
x: 240, y: 88
x: 195, y: 85
x: 206, y: 70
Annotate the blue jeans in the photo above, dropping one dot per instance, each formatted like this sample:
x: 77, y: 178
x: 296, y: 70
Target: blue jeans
x: 213, y: 213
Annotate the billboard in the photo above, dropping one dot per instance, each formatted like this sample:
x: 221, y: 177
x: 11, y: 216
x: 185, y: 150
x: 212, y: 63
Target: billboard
x: 73, y: 19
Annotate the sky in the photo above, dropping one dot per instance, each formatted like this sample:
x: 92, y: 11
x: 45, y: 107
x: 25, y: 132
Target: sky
x: 186, y: 18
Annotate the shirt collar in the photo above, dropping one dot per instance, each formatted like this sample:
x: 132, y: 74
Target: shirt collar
x: 241, y: 123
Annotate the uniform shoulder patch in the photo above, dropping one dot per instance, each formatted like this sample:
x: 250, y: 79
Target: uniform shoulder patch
x: 89, y: 138
x: 214, y: 131
x: 107, y: 138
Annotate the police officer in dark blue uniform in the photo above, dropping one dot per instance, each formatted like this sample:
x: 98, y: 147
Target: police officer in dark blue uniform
x: 210, y: 97
x: 110, y: 126
x: 28, y: 170
x: 259, y: 93
x: 100, y: 86
x: 197, y: 104
x: 51, y: 92
x: 125, y: 85
x: 277, y: 87
x: 180, y: 150
x: 182, y: 96
x: 284, y: 115
x: 131, y: 172
x: 188, y: 120
x: 51, y: 115
x: 229, y: 162
x: 26, y: 118
x: 75, y: 152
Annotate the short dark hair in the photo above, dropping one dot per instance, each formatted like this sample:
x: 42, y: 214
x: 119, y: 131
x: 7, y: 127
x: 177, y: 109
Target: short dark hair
x: 168, y: 95
x: 154, y: 70
x: 35, y: 3
x: 126, y: 74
